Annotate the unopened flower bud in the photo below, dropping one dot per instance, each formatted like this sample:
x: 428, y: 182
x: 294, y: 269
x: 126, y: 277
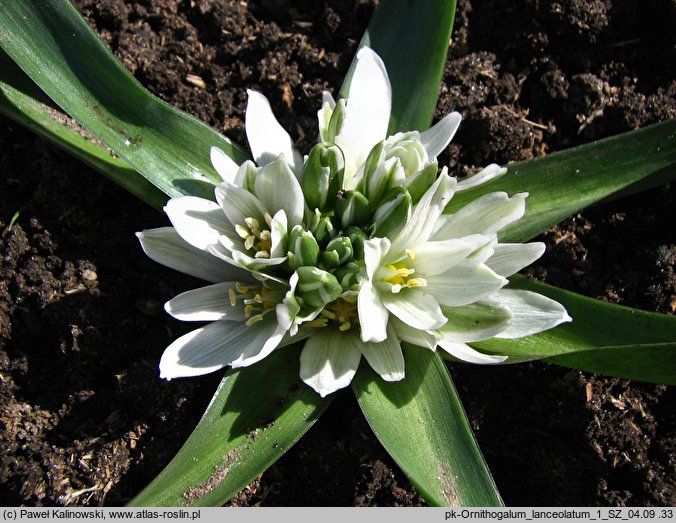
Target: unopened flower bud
x: 357, y: 237
x: 348, y: 276
x: 352, y: 208
x: 303, y: 248
x: 322, y: 176
x: 336, y: 121
x: 393, y: 212
x: 316, y: 287
x: 418, y: 183
x: 337, y: 252
x: 322, y: 228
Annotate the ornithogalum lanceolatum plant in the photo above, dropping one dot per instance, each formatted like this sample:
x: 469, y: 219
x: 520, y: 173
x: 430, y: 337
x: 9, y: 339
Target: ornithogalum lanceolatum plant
x: 347, y: 250
x: 361, y: 247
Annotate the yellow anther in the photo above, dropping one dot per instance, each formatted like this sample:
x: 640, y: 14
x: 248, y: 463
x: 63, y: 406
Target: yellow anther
x: 328, y: 314
x: 262, y: 254
x: 405, y: 272
x: 254, y: 319
x: 252, y: 223
x: 396, y: 288
x: 257, y: 299
x: 416, y: 282
x: 268, y: 219
x: 410, y: 254
x: 241, y: 288
x: 233, y: 297
x: 248, y: 310
x: 242, y: 231
x: 345, y: 326
x: 249, y: 242
x: 265, y: 235
x: 318, y: 322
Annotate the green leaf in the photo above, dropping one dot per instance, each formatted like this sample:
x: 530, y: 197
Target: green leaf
x: 51, y: 42
x: 422, y: 425
x: 256, y: 415
x: 565, y: 182
x: 22, y: 101
x: 412, y: 38
x: 602, y: 338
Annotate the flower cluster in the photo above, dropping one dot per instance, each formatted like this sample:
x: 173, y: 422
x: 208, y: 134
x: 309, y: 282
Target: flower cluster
x: 347, y: 249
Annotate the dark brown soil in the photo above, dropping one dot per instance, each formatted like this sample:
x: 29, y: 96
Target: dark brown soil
x: 84, y: 418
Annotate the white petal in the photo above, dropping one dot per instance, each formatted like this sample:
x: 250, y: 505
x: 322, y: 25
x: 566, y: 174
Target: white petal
x: 485, y: 215
x: 198, y: 221
x: 224, y: 165
x: 415, y: 336
x: 238, y: 204
x: 165, y: 246
x: 367, y: 110
x: 510, y: 258
x: 267, y: 138
x: 437, y: 138
x: 278, y: 234
x: 425, y: 215
x: 256, y: 264
x: 464, y: 283
x: 374, y: 252
x: 211, y: 303
x: 532, y: 312
x: 474, y: 322
x: 385, y: 357
x: 466, y: 353
x: 488, y: 173
x: 277, y: 188
x: 432, y: 258
x: 324, y: 114
x: 373, y: 315
x: 327, y: 362
x: 213, y: 347
x: 415, y: 307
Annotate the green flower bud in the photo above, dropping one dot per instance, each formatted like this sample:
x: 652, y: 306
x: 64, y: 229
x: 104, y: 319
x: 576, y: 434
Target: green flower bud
x: 336, y: 121
x: 357, y: 237
x: 322, y: 228
x: 337, y: 253
x: 316, y: 287
x: 393, y: 212
x: 418, y: 183
x: 322, y: 176
x: 380, y: 173
x: 348, y: 276
x: 408, y: 149
x: 303, y: 248
x: 352, y: 208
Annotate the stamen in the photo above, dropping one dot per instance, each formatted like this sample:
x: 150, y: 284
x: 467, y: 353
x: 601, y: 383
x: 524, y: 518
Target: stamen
x: 248, y: 310
x: 265, y: 235
x: 344, y: 326
x: 252, y: 223
x: 249, y: 242
x: 241, y: 288
x: 242, y: 231
x: 253, y: 319
x: 318, y: 322
x: 410, y: 254
x: 257, y: 298
x: 233, y: 297
x: 262, y: 254
x: 268, y: 219
x: 396, y: 288
x: 327, y: 313
x: 416, y: 282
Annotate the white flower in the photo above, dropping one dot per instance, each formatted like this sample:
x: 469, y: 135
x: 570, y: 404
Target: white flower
x: 370, y: 263
x: 440, y: 280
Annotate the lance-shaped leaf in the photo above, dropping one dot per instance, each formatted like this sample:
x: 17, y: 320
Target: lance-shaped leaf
x: 256, y: 415
x: 22, y: 101
x: 565, y: 182
x: 411, y: 37
x: 603, y: 338
x: 51, y: 42
x: 422, y: 425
